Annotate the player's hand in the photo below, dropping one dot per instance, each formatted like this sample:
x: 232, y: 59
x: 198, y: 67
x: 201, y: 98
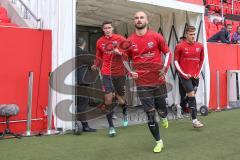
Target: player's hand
x: 94, y: 67
x: 162, y: 72
x: 188, y: 76
x: 134, y: 75
x: 196, y: 76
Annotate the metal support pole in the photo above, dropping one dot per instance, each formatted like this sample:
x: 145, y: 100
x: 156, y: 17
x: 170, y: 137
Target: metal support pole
x: 205, y: 89
x: 238, y: 86
x: 49, y: 110
x: 25, y: 14
x: 30, y: 95
x: 228, y: 88
x: 218, y: 91
x: 29, y: 133
x: 222, y: 8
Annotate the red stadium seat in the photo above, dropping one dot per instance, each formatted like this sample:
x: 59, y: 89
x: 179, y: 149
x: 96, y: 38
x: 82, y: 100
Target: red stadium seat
x: 229, y: 1
x: 4, y: 16
x: 209, y: 2
x: 234, y: 28
x: 5, y: 20
x: 220, y: 27
x: 224, y: 11
x: 235, y: 22
x: 228, y: 21
x: 208, y: 34
x: 3, y: 11
x: 218, y: 8
x: 212, y: 8
x: 238, y: 4
x: 207, y: 23
x: 229, y: 11
x: 211, y: 33
x: 216, y: 1
x: 212, y: 26
x: 235, y: 12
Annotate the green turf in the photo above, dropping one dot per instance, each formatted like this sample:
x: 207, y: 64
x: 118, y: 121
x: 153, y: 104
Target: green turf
x: 218, y: 140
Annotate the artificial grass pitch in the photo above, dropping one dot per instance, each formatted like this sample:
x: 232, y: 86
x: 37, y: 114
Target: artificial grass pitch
x: 218, y: 140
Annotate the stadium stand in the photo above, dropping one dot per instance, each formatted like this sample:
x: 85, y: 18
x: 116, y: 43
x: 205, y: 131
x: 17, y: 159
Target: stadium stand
x: 4, y: 20
x: 216, y: 8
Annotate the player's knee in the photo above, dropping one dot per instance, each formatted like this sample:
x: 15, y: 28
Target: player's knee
x: 151, y: 117
x: 108, y: 99
x: 109, y: 108
x: 192, y: 102
x: 191, y: 94
x: 108, y: 102
x: 161, y: 108
x: 123, y: 104
x: 121, y: 100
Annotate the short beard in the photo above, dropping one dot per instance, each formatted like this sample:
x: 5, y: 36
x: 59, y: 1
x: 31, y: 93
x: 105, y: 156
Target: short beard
x: 140, y: 27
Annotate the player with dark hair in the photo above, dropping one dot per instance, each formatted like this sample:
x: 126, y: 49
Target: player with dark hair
x: 109, y: 59
x: 149, y: 73
x: 188, y: 60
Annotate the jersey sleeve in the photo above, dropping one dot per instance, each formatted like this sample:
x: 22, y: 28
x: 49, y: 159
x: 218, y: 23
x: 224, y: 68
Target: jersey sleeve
x: 123, y: 51
x: 162, y: 44
x: 99, y: 56
x: 127, y: 56
x: 177, y: 53
x: 201, y: 61
x: 165, y: 50
x: 177, y: 56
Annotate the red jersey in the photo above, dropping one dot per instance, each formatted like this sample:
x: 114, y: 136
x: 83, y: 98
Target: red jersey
x: 146, y: 55
x: 188, y: 58
x: 111, y: 63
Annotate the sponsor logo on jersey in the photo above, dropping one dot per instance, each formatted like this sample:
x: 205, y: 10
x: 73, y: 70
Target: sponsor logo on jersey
x: 114, y: 43
x: 150, y: 44
x: 186, y: 50
x: 197, y: 49
x: 148, y: 55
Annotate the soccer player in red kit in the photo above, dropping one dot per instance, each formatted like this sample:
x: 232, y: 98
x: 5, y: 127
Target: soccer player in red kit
x: 149, y: 73
x: 109, y: 59
x: 188, y: 60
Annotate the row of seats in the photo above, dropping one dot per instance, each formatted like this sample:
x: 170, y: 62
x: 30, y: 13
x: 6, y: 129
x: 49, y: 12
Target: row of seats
x: 215, y: 5
x: 4, y: 20
x: 218, y: 2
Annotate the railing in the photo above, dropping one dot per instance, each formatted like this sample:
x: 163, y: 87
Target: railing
x: 232, y: 8
x: 27, y: 12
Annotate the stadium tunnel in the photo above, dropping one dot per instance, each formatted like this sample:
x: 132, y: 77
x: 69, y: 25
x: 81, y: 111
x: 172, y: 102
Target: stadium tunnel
x: 168, y: 18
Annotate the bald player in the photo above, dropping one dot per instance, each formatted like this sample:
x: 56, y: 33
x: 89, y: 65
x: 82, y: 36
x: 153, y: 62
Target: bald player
x: 149, y: 73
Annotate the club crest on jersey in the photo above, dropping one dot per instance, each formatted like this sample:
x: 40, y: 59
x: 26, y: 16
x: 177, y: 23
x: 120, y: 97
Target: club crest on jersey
x: 150, y: 44
x: 197, y: 49
x: 114, y: 43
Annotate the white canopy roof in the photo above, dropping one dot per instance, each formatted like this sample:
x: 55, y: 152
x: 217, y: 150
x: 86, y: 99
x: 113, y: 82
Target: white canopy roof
x: 174, y: 4
x: 93, y: 12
